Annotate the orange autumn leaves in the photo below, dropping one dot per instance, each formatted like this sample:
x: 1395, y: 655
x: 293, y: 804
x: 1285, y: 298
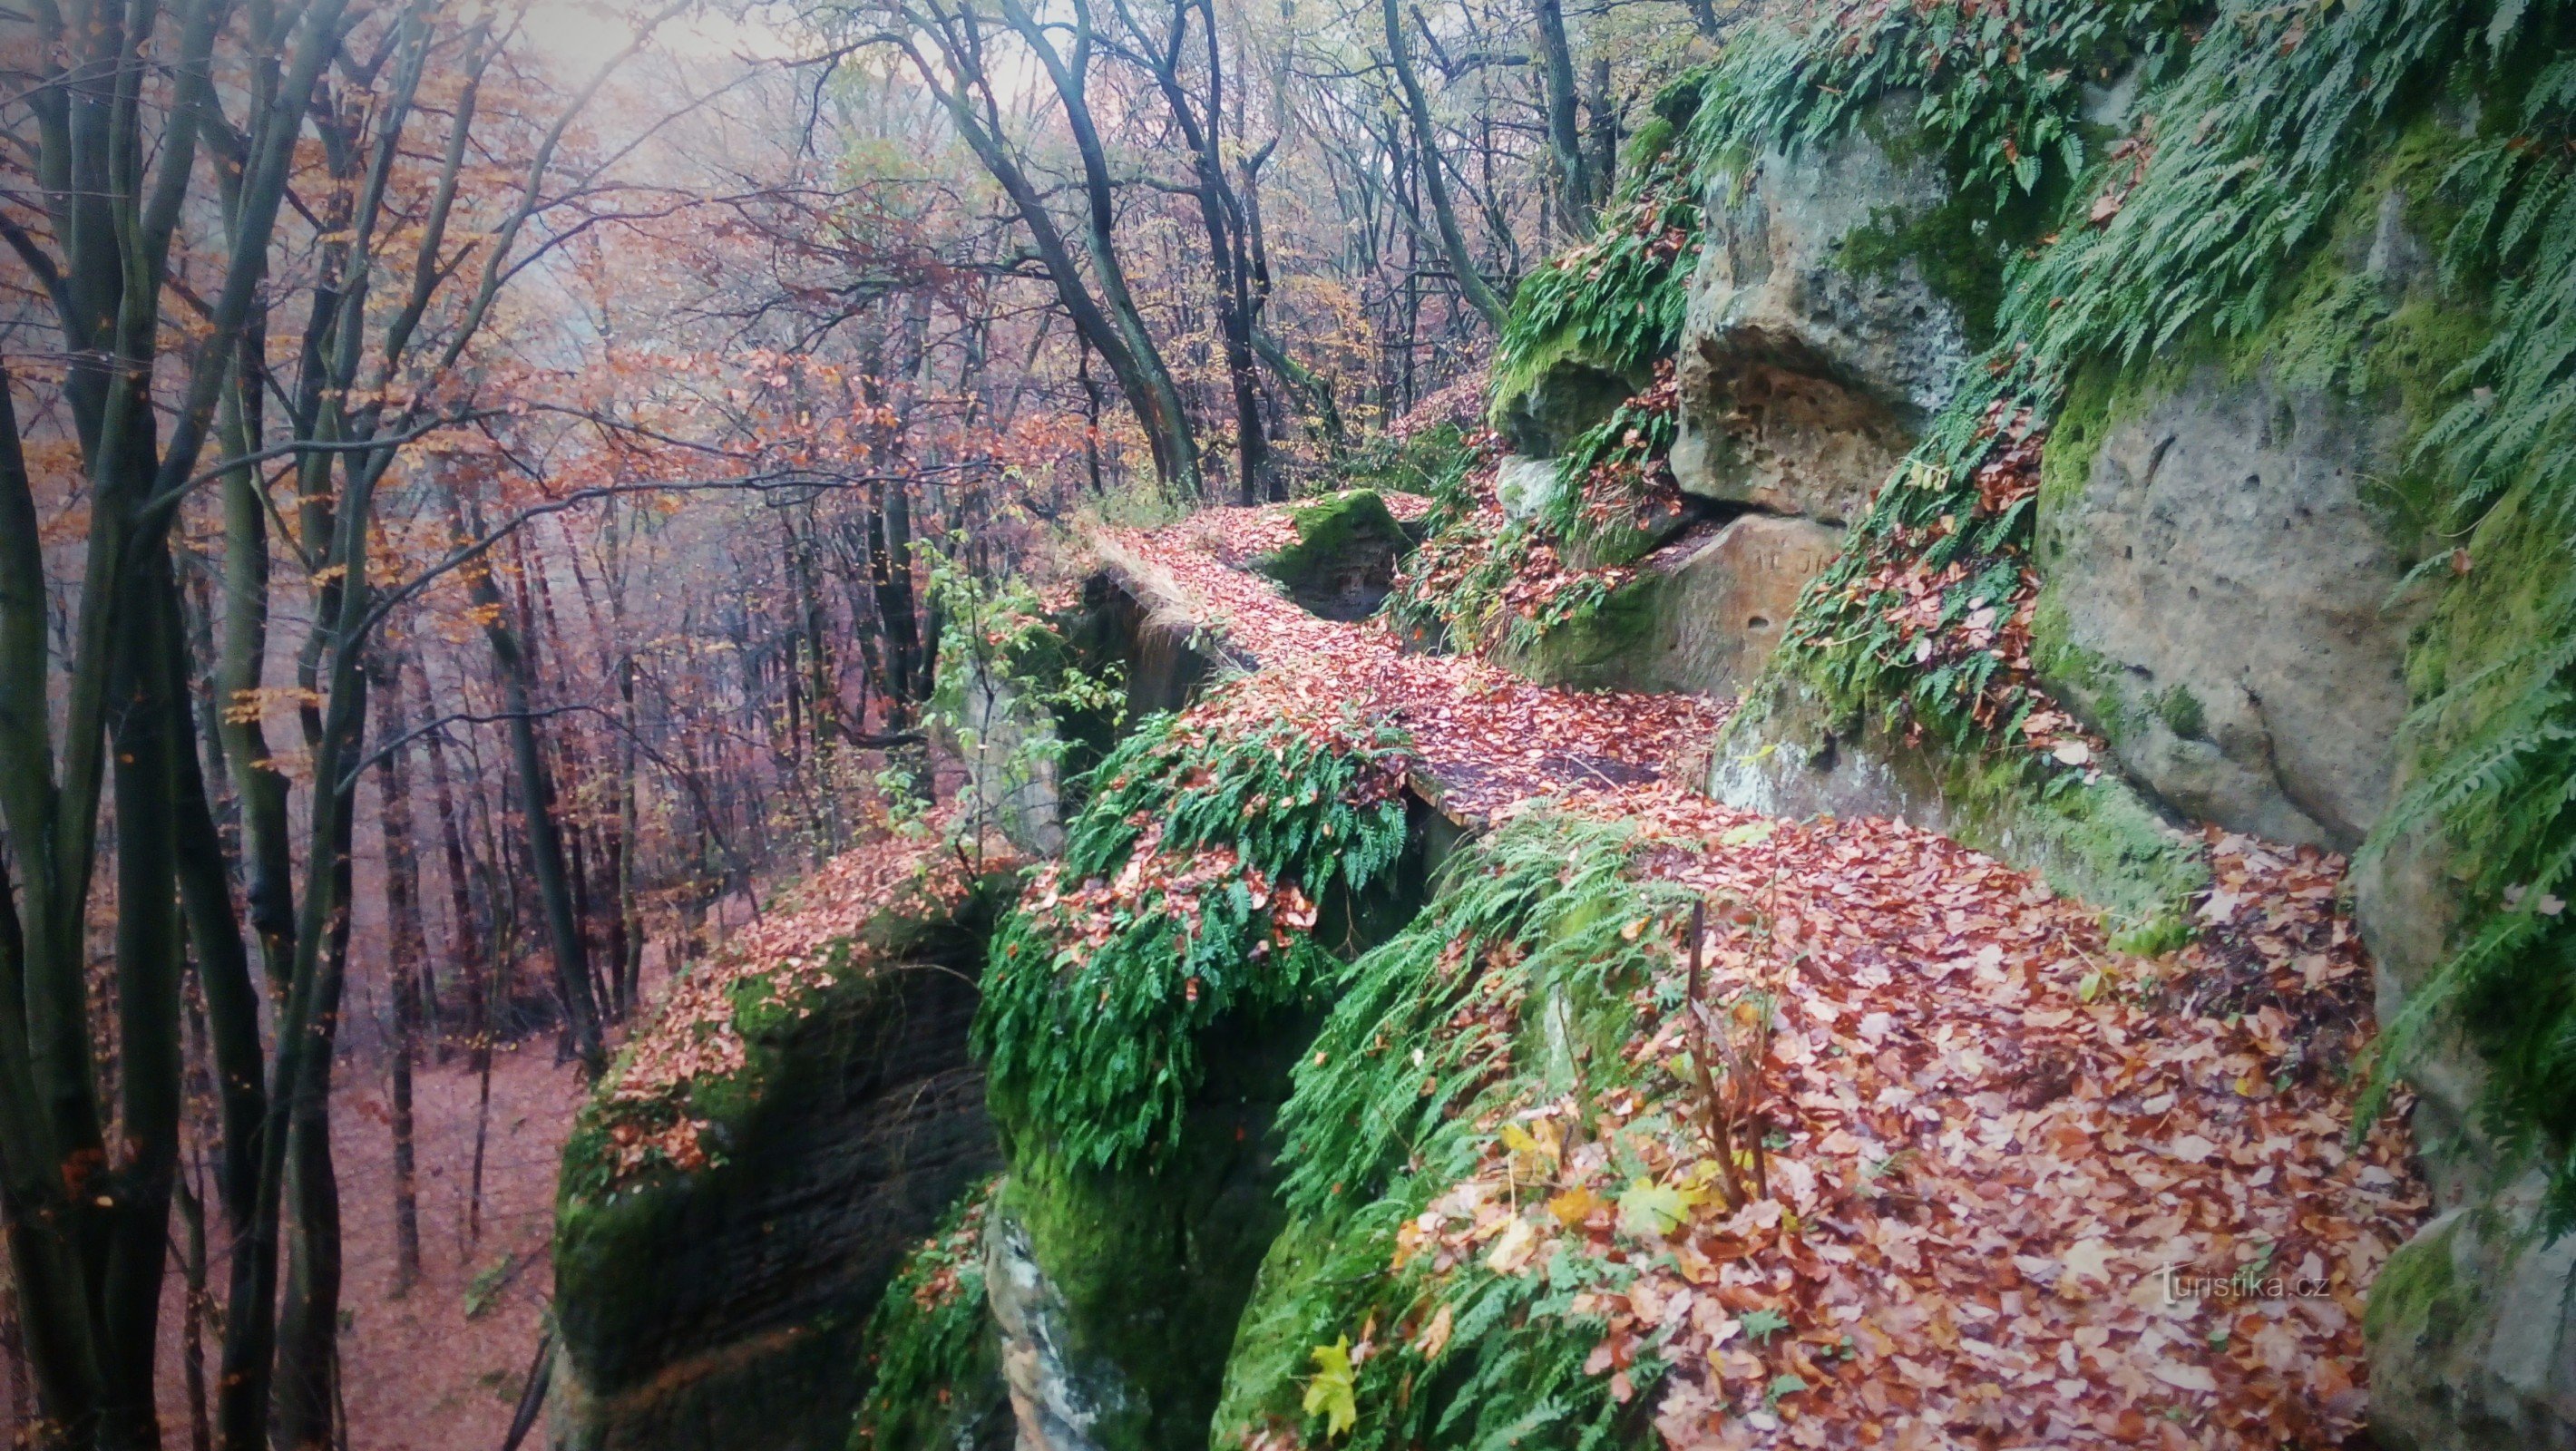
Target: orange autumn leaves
x: 815, y: 940
x: 2006, y: 1161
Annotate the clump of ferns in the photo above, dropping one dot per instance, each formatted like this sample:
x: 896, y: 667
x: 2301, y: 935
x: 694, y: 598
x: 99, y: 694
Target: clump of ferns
x: 1922, y: 619
x: 2501, y: 778
x: 1483, y: 581
x: 1460, y: 527
x: 1997, y: 92
x: 926, y: 1346
x: 1541, y: 932
x: 1615, y: 490
x: 1616, y: 300
x: 1190, y: 887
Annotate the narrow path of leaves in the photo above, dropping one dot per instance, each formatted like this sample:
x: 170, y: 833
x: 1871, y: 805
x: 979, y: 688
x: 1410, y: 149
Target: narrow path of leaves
x: 2023, y: 1189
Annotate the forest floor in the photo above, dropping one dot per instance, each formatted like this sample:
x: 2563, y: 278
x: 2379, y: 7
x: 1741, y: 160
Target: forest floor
x: 440, y: 1367
x: 2027, y: 1185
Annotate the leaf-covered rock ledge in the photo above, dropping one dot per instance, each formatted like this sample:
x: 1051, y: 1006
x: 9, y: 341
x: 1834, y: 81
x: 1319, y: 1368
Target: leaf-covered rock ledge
x: 742, y: 1186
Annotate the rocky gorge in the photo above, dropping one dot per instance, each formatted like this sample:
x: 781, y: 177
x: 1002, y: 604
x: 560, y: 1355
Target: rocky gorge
x: 1923, y: 776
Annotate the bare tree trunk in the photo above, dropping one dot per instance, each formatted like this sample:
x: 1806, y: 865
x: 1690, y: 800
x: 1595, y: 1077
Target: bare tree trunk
x: 1564, y: 141
x: 1426, y: 148
x: 545, y: 833
x: 192, y: 1321
x: 308, y: 1338
x: 1604, y: 109
x: 409, y: 947
x: 466, y: 947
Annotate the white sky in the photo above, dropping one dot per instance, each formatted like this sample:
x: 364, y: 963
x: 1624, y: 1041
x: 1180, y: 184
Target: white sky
x: 580, y: 34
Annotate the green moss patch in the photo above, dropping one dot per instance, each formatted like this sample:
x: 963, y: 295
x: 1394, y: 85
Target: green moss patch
x: 928, y: 1356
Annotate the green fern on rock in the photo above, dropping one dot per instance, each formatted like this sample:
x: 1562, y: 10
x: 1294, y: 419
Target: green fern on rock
x: 1191, y: 886
x: 1536, y: 943
x: 929, y: 1359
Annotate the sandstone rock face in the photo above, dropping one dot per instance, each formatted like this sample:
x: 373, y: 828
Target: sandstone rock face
x: 2218, y: 604
x: 2472, y: 1324
x: 1526, y: 487
x: 1567, y: 399
x: 2472, y: 1332
x: 1732, y: 596
x: 1054, y: 1403
x: 1805, y: 379
x: 1011, y: 773
x: 1785, y: 755
x: 1703, y: 616
x: 1343, y: 562
x: 722, y: 1312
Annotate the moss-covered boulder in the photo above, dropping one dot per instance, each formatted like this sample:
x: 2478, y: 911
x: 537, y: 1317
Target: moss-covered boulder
x: 2472, y: 1331
x: 1560, y: 400
x: 739, y: 1193
x: 1117, y: 1290
x: 1702, y: 614
x: 1342, y: 562
x: 2227, y: 542
x: 1787, y: 752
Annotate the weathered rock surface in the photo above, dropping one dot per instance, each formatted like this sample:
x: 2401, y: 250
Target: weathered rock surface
x: 1010, y: 753
x: 721, y: 1312
x: 1055, y: 1400
x: 1118, y: 1290
x: 2218, y: 605
x: 2472, y: 1332
x: 1804, y: 378
x: 1785, y: 755
x: 1136, y: 617
x: 2472, y: 1325
x: 1565, y: 400
x: 1343, y: 562
x: 1526, y: 487
x: 1704, y: 614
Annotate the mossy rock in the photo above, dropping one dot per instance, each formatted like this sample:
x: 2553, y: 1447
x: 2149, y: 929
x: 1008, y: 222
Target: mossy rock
x: 1703, y: 615
x: 722, y: 1308
x: 1151, y: 1268
x: 2471, y: 1328
x: 930, y: 1366
x: 1557, y: 394
x: 1343, y: 561
x: 1787, y: 752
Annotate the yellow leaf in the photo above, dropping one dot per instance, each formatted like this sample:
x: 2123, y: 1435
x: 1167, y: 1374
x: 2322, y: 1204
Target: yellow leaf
x: 1512, y: 1248
x: 1651, y: 1210
x: 1331, y: 1393
x: 1574, y: 1206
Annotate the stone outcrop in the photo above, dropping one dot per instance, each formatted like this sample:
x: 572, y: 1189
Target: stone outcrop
x: 720, y: 1310
x: 2472, y: 1326
x: 1806, y: 371
x: 1136, y: 617
x: 1567, y: 398
x: 2218, y: 603
x: 1010, y: 749
x: 1117, y: 1290
x: 1703, y: 615
x: 1804, y: 376
x: 2472, y: 1331
x: 1055, y: 1401
x: 1342, y: 563
x: 1786, y: 755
